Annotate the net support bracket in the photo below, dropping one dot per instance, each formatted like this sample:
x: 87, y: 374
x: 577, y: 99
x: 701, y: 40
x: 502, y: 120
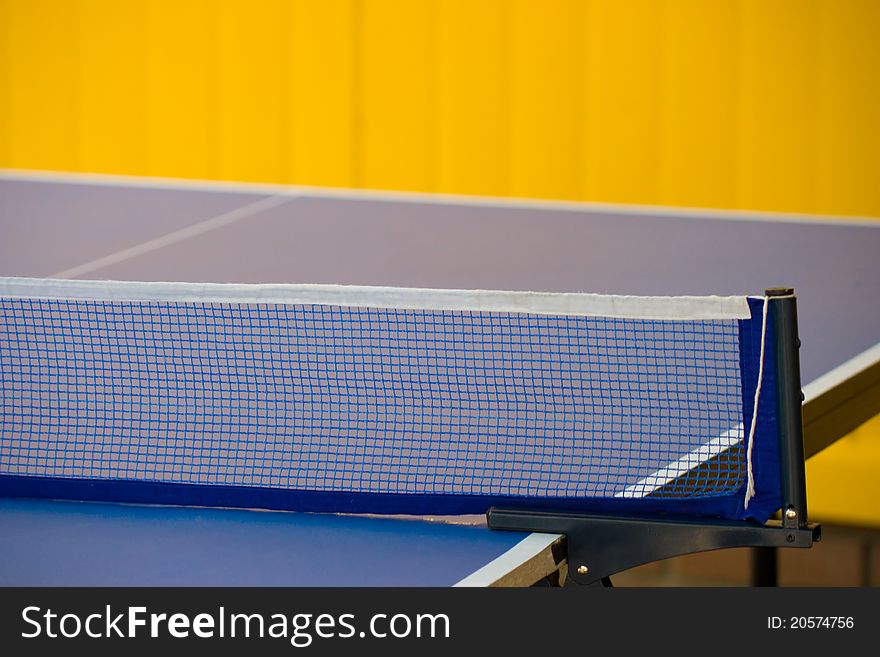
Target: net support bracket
x: 601, y: 546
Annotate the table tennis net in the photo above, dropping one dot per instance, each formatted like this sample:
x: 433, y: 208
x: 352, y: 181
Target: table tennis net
x: 381, y: 401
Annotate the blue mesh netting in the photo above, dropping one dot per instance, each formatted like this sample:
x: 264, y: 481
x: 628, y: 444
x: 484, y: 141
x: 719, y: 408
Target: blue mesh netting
x: 314, y: 397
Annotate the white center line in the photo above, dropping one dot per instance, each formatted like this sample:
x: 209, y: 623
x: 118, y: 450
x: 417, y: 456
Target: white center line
x: 176, y: 236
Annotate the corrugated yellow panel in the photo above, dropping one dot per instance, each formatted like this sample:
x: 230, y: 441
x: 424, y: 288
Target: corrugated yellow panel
x: 848, y: 146
x: 251, y: 98
x: 182, y: 88
x: 777, y: 117
x: 5, y: 86
x: 394, y: 102
x: 623, y: 139
x: 842, y: 481
x: 320, y: 47
x: 700, y: 103
x: 112, y: 129
x: 39, y: 66
x: 845, y: 152
x: 546, y: 98
x: 471, y: 111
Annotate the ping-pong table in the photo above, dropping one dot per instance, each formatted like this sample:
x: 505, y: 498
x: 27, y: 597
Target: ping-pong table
x: 120, y: 228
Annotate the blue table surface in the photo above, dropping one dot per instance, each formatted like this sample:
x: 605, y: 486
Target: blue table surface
x: 69, y: 543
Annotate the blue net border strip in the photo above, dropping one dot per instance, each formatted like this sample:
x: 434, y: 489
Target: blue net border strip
x: 765, y: 452
x: 140, y: 492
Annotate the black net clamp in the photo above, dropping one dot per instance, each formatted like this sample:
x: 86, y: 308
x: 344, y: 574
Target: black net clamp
x: 601, y: 546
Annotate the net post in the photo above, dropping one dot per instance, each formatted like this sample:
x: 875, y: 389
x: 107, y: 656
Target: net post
x: 789, y: 400
x: 765, y: 566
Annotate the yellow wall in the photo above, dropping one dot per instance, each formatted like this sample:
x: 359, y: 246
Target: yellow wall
x: 764, y: 104
x: 843, y: 481
x: 756, y: 104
